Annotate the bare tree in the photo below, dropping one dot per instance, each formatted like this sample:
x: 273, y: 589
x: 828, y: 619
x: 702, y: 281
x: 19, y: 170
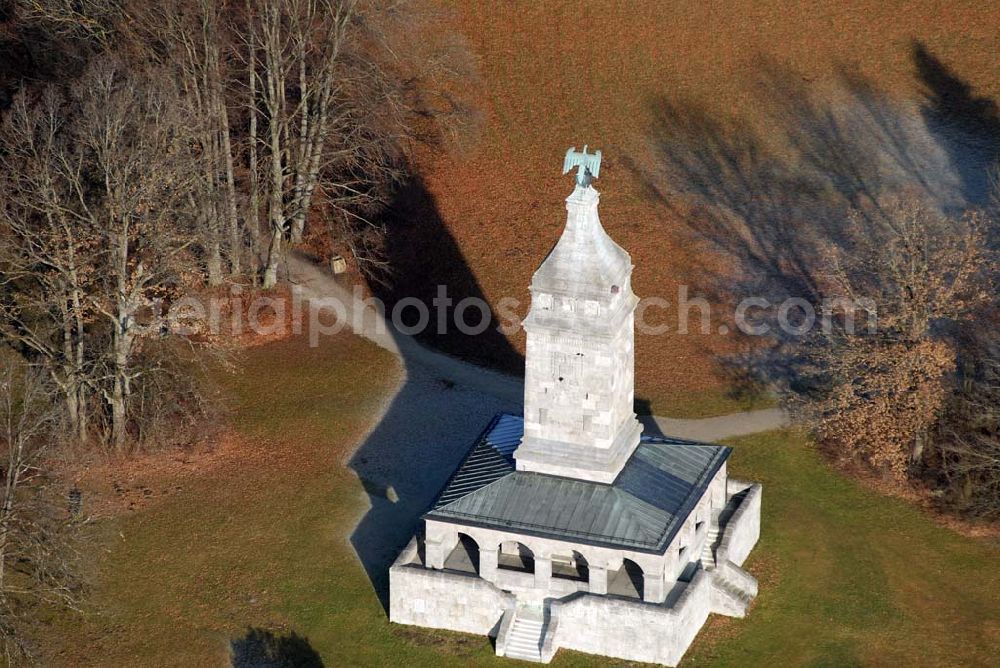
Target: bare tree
x: 37, y: 558
x: 133, y: 140
x: 283, y: 31
x: 331, y: 112
x: 45, y: 269
x: 92, y: 19
x: 968, y: 439
x: 117, y: 185
x: 97, y: 229
x: 194, y: 33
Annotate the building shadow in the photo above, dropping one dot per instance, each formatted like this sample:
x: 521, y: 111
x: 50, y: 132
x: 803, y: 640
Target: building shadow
x: 768, y: 191
x: 424, y: 257
x: 435, y: 416
x: 261, y: 648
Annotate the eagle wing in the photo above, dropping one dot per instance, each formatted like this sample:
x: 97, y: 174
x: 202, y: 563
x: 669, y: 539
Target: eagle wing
x: 572, y: 159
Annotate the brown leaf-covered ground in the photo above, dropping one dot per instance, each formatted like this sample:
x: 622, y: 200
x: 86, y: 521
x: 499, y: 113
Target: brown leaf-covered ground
x: 725, y: 75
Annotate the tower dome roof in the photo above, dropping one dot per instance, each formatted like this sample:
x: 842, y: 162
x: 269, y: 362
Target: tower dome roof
x: 585, y: 261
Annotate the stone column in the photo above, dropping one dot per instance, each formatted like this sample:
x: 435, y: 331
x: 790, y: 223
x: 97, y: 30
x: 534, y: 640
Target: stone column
x: 598, y: 580
x: 435, y: 553
x: 652, y: 588
x: 488, y: 564
x: 543, y: 572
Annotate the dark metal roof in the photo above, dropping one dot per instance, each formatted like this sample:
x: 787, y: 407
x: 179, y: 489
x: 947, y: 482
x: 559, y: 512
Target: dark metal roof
x: 641, y: 510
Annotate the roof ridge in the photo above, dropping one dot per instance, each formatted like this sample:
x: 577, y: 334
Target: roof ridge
x: 650, y: 534
x: 686, y: 507
x: 480, y: 444
x: 474, y: 492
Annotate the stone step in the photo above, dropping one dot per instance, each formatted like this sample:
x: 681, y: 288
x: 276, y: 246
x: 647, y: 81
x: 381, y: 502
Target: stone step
x: 526, y: 636
x: 708, y: 549
x: 524, y: 654
x: 735, y: 591
x: 527, y: 628
x: 525, y: 642
x: 521, y: 648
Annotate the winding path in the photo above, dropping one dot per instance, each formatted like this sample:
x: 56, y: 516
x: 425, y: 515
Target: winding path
x: 316, y: 283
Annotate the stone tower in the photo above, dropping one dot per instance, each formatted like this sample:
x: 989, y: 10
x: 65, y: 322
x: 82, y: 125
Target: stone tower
x: 579, y: 420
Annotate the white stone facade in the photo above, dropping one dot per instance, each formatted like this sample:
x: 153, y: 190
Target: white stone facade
x: 579, y: 369
x: 580, y: 616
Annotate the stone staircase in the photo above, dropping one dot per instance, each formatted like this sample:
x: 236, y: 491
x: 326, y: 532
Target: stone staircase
x: 736, y: 598
x: 711, y: 540
x: 717, y: 524
x: 525, y: 638
x: 733, y: 589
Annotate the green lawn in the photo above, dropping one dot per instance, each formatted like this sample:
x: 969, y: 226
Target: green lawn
x: 695, y: 404
x: 847, y: 576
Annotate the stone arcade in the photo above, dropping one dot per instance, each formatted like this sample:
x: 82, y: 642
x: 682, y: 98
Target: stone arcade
x: 569, y: 528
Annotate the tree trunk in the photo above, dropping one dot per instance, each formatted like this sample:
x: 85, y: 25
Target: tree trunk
x: 253, y: 218
x: 214, y: 260
x: 121, y: 337
x: 119, y: 436
x: 275, y: 98
x: 917, y: 449
x: 81, y: 385
x: 274, y: 255
x: 120, y: 391
x: 222, y: 116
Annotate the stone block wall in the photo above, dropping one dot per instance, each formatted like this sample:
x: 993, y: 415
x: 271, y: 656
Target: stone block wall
x: 633, y: 630
x: 743, y: 527
x: 444, y: 599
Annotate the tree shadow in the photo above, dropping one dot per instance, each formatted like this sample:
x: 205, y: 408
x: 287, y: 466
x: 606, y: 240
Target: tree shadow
x: 967, y: 126
x: 768, y: 191
x: 436, y: 415
x: 261, y: 648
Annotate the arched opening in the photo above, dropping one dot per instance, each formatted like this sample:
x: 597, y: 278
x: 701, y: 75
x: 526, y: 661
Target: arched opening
x: 515, y: 556
x: 465, y: 556
x: 572, y: 567
x: 627, y: 580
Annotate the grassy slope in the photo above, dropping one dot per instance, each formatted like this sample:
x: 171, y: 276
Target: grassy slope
x: 846, y: 575
x: 565, y: 72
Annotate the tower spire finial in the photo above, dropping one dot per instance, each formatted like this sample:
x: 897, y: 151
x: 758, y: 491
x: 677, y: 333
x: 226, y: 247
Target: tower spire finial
x: 588, y: 165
